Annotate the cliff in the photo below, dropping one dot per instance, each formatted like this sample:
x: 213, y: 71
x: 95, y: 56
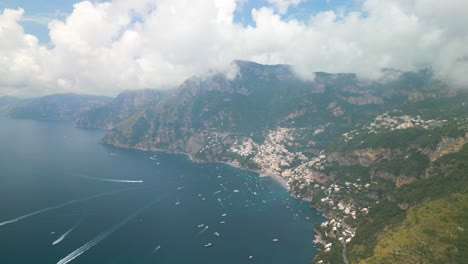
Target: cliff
x: 122, y: 107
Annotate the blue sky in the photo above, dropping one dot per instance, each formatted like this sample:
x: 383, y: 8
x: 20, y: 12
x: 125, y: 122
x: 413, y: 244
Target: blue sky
x: 38, y: 13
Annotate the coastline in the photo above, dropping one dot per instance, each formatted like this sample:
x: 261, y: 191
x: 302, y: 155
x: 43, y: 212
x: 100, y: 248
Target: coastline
x: 280, y: 180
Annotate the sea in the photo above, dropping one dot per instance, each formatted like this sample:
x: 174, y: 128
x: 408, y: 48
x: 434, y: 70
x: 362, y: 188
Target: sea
x: 66, y: 198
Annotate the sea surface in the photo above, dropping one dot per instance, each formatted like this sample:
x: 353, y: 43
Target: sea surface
x: 65, y: 198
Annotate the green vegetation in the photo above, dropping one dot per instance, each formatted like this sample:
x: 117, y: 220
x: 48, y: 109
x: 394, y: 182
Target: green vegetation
x: 388, y: 234
x: 433, y: 232
x: 412, y: 164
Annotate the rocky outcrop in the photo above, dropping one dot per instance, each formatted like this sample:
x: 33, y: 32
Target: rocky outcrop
x: 364, y: 100
x: 362, y: 157
x: 122, y: 107
x: 446, y: 146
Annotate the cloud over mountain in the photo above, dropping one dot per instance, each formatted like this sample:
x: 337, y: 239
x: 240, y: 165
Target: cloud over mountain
x: 110, y: 46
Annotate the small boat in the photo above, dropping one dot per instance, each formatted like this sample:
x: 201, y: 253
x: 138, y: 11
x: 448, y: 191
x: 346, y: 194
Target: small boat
x: 180, y: 188
x: 222, y: 222
x: 250, y: 257
x: 275, y: 240
x: 202, y: 225
x: 224, y: 215
x: 113, y: 154
x: 177, y: 203
x: 156, y: 249
x: 216, y: 233
x: 236, y: 191
x: 208, y: 245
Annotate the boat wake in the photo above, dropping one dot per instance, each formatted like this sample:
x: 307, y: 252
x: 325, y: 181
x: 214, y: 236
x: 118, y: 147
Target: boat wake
x: 62, y: 237
x: 103, y: 235
x: 61, y: 205
x: 221, y: 203
x: 110, y: 180
x: 202, y: 231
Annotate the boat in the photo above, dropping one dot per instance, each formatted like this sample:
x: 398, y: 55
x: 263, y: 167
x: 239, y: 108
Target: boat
x: 224, y: 215
x: 275, y: 240
x: 156, y: 249
x: 222, y: 222
x: 236, y: 191
x: 180, y: 188
x: 216, y: 233
x: 208, y: 245
x: 250, y: 257
x: 201, y: 225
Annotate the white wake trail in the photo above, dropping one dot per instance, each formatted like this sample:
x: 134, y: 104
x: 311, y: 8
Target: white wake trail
x: 110, y: 180
x: 76, y: 253
x: 62, y: 237
x: 221, y: 203
x: 60, y: 206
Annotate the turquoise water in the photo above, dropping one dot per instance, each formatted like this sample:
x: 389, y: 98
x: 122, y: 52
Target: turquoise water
x: 99, y: 204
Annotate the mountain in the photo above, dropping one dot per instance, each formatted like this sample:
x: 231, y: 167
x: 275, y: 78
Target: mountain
x: 55, y: 107
x: 384, y: 160
x: 6, y: 102
x: 122, y: 107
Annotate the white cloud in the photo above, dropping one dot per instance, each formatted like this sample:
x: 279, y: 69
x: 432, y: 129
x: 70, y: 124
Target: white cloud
x: 107, y: 47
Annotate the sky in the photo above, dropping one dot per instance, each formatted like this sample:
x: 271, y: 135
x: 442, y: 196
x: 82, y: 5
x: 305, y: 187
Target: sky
x: 105, y: 47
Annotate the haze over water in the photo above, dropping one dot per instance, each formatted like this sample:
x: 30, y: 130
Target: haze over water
x: 65, y: 198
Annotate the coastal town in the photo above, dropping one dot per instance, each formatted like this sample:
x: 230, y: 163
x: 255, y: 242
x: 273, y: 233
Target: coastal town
x: 305, y: 176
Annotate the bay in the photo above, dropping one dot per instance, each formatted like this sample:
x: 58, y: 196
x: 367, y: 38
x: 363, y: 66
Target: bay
x: 66, y: 198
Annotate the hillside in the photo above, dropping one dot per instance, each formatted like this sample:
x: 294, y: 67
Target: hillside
x: 122, y: 107
x: 54, y: 107
x: 370, y: 155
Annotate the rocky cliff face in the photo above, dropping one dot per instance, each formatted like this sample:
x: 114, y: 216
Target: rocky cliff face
x: 124, y: 106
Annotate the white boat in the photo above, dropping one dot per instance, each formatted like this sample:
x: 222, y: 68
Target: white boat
x: 180, y: 188
x: 222, y: 222
x: 208, y: 245
x: 250, y: 257
x: 224, y: 215
x: 236, y: 191
x: 202, y: 225
x: 275, y: 240
x: 156, y: 249
x: 216, y: 233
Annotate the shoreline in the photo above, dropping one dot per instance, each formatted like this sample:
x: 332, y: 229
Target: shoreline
x: 280, y: 180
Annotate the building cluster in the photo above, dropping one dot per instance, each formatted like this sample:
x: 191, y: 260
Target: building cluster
x: 386, y: 122
x: 274, y: 158
x: 337, y: 229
